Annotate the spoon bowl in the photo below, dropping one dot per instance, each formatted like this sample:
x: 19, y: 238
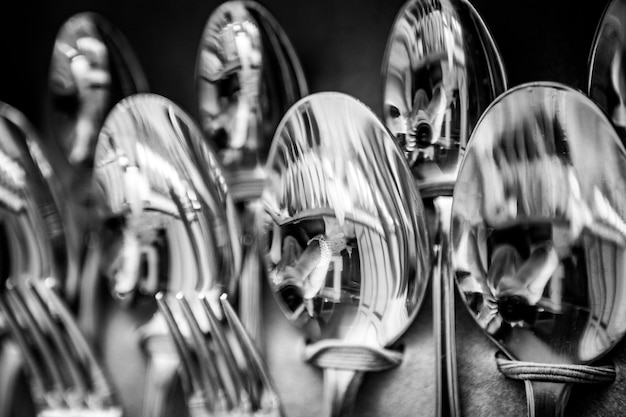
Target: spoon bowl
x: 343, y: 233
x: 247, y: 76
x: 538, y: 232
x: 35, y: 238
x: 440, y: 72
x: 92, y: 68
x: 169, y: 226
x: 606, y: 79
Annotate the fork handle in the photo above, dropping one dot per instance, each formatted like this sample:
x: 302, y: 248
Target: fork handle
x: 546, y: 399
x: 161, y: 374
x: 340, y: 389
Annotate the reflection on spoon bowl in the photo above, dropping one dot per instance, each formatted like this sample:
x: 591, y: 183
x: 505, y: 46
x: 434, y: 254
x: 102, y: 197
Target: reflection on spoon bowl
x: 248, y: 75
x: 343, y: 238
x: 145, y: 173
x: 607, y: 78
x: 92, y: 68
x: 539, y: 231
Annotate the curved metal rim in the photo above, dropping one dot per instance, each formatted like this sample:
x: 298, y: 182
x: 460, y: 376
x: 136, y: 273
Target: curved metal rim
x: 129, y: 55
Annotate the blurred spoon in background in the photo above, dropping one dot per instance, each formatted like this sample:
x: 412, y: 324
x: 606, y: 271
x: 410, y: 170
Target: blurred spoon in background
x: 343, y: 236
x: 539, y: 233
x: 92, y: 68
x: 440, y: 72
x: 170, y: 228
x: 36, y: 260
x: 607, y: 73
x: 247, y: 76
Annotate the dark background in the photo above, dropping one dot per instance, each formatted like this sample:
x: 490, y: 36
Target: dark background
x: 340, y: 42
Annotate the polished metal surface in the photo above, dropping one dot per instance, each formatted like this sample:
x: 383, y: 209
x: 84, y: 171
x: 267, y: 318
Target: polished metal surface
x: 169, y: 224
x: 92, y: 68
x: 247, y: 76
x: 440, y: 72
x: 34, y: 239
x: 538, y: 227
x: 242, y: 385
x: 343, y: 233
x: 607, y: 74
x: 344, y: 237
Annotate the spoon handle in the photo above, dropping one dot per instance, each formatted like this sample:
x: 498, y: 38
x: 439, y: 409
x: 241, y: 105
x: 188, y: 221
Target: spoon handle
x: 546, y: 399
x: 340, y: 389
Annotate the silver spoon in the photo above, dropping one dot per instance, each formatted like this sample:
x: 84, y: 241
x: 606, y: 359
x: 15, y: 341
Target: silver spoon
x: 440, y: 72
x: 538, y: 232
x: 607, y: 75
x: 170, y: 226
x: 343, y: 238
x: 247, y: 76
x: 92, y: 67
x: 37, y: 244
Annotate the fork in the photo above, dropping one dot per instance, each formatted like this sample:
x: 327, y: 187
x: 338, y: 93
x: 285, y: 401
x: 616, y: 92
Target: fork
x: 223, y: 374
x: 64, y: 375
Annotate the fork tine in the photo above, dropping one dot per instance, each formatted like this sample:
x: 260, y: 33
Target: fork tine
x: 100, y: 389
x: 209, y: 376
x: 16, y: 301
x: 267, y: 399
x: 36, y: 372
x: 78, y: 386
x: 240, y: 396
x: 190, y: 377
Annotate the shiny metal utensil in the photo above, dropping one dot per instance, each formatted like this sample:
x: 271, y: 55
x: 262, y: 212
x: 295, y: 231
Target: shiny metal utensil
x: 242, y: 385
x: 441, y: 71
x: 607, y: 75
x: 92, y: 68
x: 37, y: 244
x: 36, y: 257
x: 343, y: 238
x: 144, y: 174
x: 538, y: 232
x: 247, y: 76
x: 64, y: 376
x: 170, y: 224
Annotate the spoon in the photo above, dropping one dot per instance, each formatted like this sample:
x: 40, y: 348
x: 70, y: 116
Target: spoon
x: 440, y: 72
x: 607, y: 81
x: 247, y: 76
x: 538, y: 232
x: 37, y: 244
x: 169, y: 225
x: 36, y: 252
x: 92, y: 68
x: 343, y: 234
